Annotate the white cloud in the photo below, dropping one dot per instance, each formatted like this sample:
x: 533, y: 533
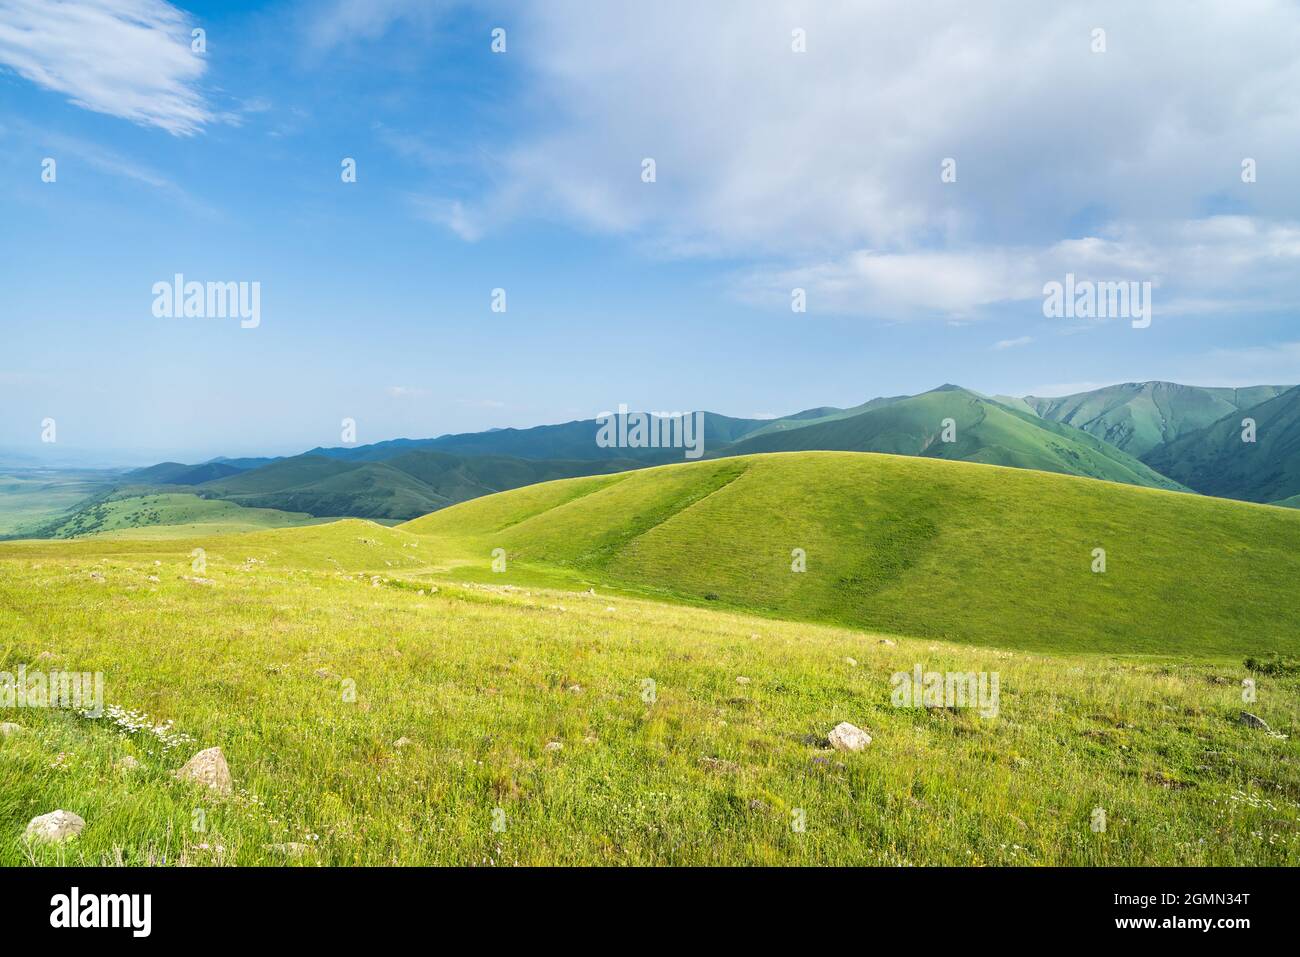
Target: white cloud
x: 405, y: 392
x: 1214, y: 264
x: 125, y: 58
x: 449, y: 213
x: 1002, y: 344
x: 826, y: 164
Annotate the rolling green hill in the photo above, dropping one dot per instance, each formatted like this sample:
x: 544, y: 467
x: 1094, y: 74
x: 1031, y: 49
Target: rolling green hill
x: 986, y: 431
x: 915, y: 546
x: 382, y: 697
x: 1137, y: 417
x: 158, y: 513
x: 1119, y: 433
x: 1216, y: 461
x: 410, y: 484
x: 31, y: 498
x: 174, y: 473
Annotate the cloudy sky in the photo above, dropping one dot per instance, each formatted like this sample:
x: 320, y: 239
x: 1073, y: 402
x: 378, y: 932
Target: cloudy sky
x: 1105, y: 140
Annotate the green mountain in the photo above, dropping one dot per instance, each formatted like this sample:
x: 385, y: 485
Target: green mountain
x: 407, y: 485
x: 1216, y: 460
x: 174, y: 473
x: 568, y: 441
x: 820, y: 415
x: 1112, y: 434
x: 908, y: 545
x: 1138, y: 417
x: 985, y: 431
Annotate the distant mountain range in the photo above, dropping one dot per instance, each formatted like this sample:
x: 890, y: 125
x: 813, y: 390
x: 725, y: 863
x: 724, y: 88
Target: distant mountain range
x: 1153, y: 434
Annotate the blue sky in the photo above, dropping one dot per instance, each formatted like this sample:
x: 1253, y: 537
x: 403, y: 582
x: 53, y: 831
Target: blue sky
x: 775, y: 169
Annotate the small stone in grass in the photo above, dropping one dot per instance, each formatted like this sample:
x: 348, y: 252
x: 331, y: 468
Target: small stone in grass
x: 54, y: 828
x: 553, y: 746
x: 126, y: 763
x: 851, y: 662
x: 402, y: 742
x: 208, y: 767
x: 1254, y: 721
x: 848, y: 737
x: 742, y: 680
x: 8, y: 728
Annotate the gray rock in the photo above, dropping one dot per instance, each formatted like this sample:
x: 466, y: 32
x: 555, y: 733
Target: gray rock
x: 209, y: 768
x: 8, y: 729
x: 1254, y: 721
x: 54, y: 828
x: 848, y: 737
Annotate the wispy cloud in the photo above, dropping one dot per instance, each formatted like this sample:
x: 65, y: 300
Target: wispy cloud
x: 826, y: 164
x: 1217, y: 264
x: 342, y: 22
x: 1012, y: 343
x: 62, y: 147
x: 125, y: 58
x: 405, y: 392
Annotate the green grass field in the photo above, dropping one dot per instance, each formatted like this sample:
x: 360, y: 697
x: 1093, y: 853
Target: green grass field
x: 30, y: 498
x: 168, y: 514
x: 958, y: 551
x: 483, y: 673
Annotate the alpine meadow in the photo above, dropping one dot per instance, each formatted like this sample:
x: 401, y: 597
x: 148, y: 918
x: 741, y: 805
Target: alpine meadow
x: 564, y: 436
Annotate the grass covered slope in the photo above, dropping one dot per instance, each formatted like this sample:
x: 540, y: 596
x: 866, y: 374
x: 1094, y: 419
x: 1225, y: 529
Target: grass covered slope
x: 149, y: 512
x: 985, y: 431
x: 1216, y: 461
x: 479, y: 680
x: 913, y: 546
x: 1137, y: 417
x: 402, y: 487
x: 31, y: 498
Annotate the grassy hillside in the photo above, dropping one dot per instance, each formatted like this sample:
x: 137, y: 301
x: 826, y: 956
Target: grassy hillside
x: 696, y: 767
x: 1216, y: 461
x: 821, y: 415
x: 174, y: 514
x: 407, y: 485
x: 986, y: 431
x: 914, y: 546
x: 30, y: 498
x: 1140, y: 416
